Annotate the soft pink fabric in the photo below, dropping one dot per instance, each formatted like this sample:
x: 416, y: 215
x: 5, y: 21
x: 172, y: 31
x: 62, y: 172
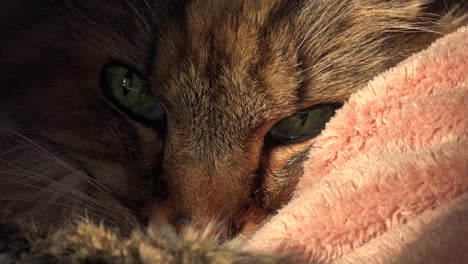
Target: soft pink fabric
x: 387, y: 181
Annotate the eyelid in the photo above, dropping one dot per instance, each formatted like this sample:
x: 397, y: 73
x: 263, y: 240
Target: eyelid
x: 277, y: 136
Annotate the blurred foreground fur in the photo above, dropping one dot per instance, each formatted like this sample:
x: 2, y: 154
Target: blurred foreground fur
x: 85, y: 242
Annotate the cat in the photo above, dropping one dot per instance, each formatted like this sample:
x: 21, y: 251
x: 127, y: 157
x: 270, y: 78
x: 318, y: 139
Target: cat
x: 183, y: 113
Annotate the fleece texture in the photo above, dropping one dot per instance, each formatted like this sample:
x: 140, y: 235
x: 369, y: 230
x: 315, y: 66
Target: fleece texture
x: 387, y: 181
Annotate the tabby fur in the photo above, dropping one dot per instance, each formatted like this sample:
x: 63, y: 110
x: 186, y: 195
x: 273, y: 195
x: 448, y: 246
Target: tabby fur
x: 226, y: 72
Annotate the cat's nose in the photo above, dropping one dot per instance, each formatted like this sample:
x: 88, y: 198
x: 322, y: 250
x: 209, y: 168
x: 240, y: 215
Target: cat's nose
x: 181, y: 221
x: 160, y: 191
x: 160, y: 188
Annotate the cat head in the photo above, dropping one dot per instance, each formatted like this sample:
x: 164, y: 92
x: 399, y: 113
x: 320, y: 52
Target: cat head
x: 183, y: 111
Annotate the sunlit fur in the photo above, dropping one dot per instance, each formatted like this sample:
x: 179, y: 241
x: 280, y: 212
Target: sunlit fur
x: 226, y: 72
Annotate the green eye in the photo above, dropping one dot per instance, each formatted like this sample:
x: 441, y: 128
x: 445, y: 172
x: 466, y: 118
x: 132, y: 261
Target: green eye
x: 132, y: 93
x: 302, y: 125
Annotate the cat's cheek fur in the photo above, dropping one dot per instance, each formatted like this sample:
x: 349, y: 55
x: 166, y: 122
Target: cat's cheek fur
x: 284, y: 168
x: 274, y: 188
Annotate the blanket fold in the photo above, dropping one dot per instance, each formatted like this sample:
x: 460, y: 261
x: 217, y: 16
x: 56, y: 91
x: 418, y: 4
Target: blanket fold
x: 387, y: 180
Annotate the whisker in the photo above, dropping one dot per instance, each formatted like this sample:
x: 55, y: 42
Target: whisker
x: 139, y: 15
x: 152, y: 13
x: 43, y: 151
x: 56, y: 184
x: 41, y: 177
x: 47, y: 202
x: 102, y: 209
x: 44, y: 190
x: 55, y: 187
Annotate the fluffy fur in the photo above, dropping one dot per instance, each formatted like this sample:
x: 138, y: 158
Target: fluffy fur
x: 85, y: 242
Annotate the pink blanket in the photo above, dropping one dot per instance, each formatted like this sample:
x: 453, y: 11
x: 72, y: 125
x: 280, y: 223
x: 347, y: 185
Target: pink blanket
x: 387, y: 181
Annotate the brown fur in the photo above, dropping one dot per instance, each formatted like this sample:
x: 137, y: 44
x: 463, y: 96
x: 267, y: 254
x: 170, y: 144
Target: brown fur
x: 85, y: 242
x: 226, y: 71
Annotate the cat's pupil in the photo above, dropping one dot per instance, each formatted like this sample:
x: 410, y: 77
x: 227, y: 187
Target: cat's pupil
x: 127, y: 84
x: 304, y: 117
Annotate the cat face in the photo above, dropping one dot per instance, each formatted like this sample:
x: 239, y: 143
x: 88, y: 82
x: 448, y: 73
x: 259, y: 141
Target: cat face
x: 229, y: 78
x: 53, y: 93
